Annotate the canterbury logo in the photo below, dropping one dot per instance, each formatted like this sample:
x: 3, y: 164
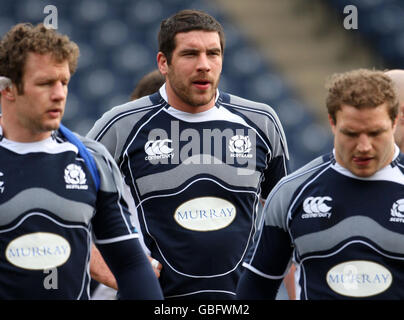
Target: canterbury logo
x: 397, y: 211
x: 315, y: 207
x: 158, y: 149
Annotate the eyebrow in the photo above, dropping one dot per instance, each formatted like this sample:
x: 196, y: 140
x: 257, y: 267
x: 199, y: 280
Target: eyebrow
x: 189, y: 50
x: 51, y: 78
x: 354, y: 132
x: 215, y: 50
x: 195, y: 50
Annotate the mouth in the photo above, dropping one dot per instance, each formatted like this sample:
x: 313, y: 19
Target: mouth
x: 201, y: 84
x: 362, y: 161
x: 54, y: 113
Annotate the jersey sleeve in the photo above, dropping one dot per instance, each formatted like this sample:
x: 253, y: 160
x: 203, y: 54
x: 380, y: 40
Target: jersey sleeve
x: 278, y: 159
x: 112, y: 220
x: 116, y: 125
x: 276, y: 169
x: 271, y: 257
x: 132, y: 270
x: 106, y: 133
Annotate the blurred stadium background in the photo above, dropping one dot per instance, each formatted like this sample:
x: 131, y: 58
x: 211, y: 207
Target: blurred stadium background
x: 278, y: 52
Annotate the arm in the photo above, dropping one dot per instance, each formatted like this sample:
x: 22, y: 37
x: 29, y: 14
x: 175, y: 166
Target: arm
x: 277, y: 168
x: 289, y: 282
x: 115, y: 236
x: 267, y: 266
x: 100, y: 272
x: 132, y: 270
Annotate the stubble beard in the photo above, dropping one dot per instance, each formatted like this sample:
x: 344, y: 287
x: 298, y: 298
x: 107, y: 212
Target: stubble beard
x: 186, y: 95
x: 38, y: 126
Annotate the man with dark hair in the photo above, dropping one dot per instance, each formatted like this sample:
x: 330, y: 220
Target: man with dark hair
x: 197, y: 162
x: 340, y: 216
x: 148, y: 85
x: 58, y: 190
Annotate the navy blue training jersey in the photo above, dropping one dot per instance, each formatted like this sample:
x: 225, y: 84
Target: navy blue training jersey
x: 346, y: 232
x: 50, y: 212
x: 196, y: 182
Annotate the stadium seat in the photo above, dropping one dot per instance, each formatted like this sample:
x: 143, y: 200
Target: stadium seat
x: 118, y: 44
x: 381, y: 23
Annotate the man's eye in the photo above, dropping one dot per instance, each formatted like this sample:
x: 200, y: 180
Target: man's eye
x: 351, y: 134
x: 214, y: 53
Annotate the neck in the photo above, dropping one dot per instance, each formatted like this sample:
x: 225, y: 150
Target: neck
x: 21, y: 134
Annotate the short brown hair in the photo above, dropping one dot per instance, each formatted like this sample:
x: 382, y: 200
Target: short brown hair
x: 24, y: 38
x: 149, y: 84
x: 185, y: 21
x: 361, y: 88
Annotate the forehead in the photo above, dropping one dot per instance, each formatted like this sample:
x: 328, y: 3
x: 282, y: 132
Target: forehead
x: 197, y: 38
x: 366, y: 117
x: 37, y: 65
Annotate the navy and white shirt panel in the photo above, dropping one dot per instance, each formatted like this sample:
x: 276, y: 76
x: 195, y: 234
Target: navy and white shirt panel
x: 112, y: 222
x: 196, y: 180
x: 48, y: 203
x: 346, y: 231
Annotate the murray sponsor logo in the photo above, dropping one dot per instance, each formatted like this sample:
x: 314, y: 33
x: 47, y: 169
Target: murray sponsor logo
x: 359, y: 278
x: 205, y: 214
x: 38, y: 251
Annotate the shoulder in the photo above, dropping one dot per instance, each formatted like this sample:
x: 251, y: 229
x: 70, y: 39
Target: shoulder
x: 107, y: 169
x: 295, y: 179
x: 315, y: 165
x: 239, y: 103
x: 260, y: 116
x: 144, y: 103
x: 285, y: 191
x: 97, y: 149
x: 125, y: 115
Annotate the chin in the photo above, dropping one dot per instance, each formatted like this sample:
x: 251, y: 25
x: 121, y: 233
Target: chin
x: 54, y: 125
x: 204, y: 99
x: 364, y: 173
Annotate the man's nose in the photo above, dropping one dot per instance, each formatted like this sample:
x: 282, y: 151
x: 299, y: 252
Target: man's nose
x: 59, y: 91
x: 203, y: 62
x: 364, y: 143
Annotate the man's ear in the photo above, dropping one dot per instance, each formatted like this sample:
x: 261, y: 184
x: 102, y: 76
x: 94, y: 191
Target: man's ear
x: 162, y: 63
x: 332, y: 123
x: 9, y: 93
x: 399, y: 118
